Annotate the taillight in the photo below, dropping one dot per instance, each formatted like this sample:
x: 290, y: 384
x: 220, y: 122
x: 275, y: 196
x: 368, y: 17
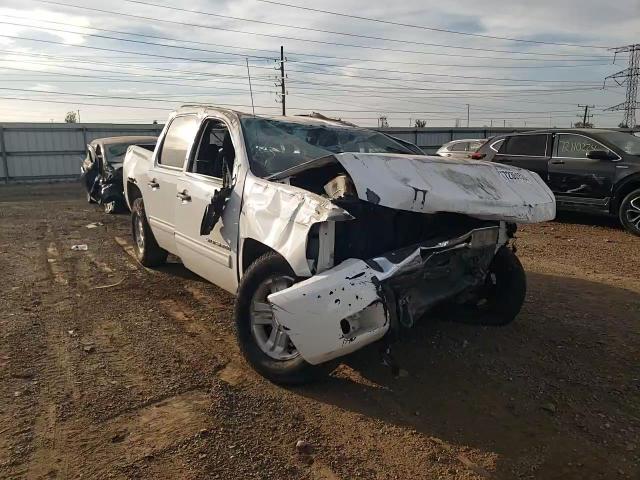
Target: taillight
x: 478, y: 155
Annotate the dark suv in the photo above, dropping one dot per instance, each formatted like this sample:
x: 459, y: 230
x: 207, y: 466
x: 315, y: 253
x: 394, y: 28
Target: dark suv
x: 588, y: 170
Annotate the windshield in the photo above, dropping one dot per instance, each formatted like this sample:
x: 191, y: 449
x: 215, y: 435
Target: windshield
x: 626, y: 142
x: 274, y: 145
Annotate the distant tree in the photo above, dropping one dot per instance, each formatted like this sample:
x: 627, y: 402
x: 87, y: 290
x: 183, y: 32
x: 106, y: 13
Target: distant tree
x: 583, y: 125
x: 623, y: 125
x: 420, y: 123
x: 71, y: 117
x: 155, y: 122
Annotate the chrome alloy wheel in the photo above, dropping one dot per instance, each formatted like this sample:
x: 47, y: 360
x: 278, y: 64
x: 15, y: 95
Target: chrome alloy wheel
x: 138, y: 232
x: 270, y: 336
x: 633, y: 213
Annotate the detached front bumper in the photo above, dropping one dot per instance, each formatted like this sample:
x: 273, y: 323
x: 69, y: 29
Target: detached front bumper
x: 341, y: 310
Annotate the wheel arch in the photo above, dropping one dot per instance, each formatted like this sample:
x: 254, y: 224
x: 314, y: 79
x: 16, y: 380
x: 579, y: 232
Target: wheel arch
x: 132, y: 192
x: 626, y: 186
x: 251, y: 250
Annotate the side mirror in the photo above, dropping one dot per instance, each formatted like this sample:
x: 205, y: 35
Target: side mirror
x: 601, y: 155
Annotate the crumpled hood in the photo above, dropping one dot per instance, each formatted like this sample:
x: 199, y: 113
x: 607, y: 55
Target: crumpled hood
x: 428, y: 184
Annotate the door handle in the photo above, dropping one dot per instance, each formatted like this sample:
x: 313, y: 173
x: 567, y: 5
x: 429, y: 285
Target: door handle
x: 153, y: 184
x: 184, y: 196
x: 557, y: 162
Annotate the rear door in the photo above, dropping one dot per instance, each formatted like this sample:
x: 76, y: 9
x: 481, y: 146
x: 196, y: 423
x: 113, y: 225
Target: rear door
x: 210, y: 256
x: 162, y: 183
x: 530, y: 151
x: 576, y: 178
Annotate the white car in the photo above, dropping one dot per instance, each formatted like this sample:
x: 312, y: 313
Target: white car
x: 331, y: 236
x: 460, y: 149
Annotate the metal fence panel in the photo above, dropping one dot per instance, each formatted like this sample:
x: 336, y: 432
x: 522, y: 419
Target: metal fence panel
x: 43, y: 151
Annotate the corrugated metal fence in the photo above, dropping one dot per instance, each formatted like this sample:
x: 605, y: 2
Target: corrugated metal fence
x: 54, y: 151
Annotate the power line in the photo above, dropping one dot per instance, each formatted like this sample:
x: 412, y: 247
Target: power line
x: 442, y: 30
x: 217, y: 28
x: 293, y: 60
x: 311, y: 29
x: 299, y: 71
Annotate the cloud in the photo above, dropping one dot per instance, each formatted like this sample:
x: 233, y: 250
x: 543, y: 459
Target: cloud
x: 428, y: 82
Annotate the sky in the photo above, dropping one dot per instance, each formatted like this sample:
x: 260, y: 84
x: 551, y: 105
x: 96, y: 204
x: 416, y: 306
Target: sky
x: 133, y: 61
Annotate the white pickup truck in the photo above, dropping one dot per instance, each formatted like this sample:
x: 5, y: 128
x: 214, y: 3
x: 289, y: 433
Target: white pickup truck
x: 331, y: 236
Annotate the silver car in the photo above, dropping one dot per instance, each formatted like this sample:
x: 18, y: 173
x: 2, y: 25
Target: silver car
x: 460, y: 149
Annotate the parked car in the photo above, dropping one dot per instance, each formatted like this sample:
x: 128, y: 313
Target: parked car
x: 488, y: 149
x: 460, y: 148
x: 331, y: 236
x: 588, y: 170
x: 101, y: 170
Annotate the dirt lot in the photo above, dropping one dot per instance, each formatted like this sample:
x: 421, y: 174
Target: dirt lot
x: 109, y: 370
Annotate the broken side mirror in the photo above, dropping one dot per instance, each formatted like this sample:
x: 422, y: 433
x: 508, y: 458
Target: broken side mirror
x: 214, y: 210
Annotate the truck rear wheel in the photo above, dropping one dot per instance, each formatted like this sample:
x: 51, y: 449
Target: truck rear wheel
x: 148, y: 252
x: 263, y: 342
x: 630, y: 212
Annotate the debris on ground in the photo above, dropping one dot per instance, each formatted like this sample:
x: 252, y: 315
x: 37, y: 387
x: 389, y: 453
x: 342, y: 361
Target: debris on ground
x: 304, y: 447
x: 95, y: 225
x: 82, y: 247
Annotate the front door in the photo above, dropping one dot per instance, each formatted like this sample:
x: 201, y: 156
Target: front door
x: 576, y: 178
x: 159, y: 189
x: 210, y: 256
x: 530, y: 151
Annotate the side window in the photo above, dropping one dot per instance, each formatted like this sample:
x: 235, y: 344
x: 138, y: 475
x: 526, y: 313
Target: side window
x: 177, y: 141
x: 459, y: 147
x: 215, y: 155
x: 575, y: 146
x: 473, y: 146
x: 495, y: 146
x: 527, y: 145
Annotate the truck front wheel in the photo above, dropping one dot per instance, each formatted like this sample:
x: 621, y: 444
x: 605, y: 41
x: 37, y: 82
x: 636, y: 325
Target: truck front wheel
x: 264, y: 343
x: 148, y: 252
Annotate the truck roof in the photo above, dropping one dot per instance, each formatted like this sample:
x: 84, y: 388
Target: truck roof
x: 316, y: 119
x: 125, y: 139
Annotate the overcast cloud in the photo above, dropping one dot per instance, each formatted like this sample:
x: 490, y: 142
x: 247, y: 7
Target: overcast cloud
x: 533, y: 83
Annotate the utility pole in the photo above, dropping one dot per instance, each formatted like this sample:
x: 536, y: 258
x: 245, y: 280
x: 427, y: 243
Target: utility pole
x: 631, y: 77
x: 586, y: 114
x: 78, y: 115
x: 284, y: 97
x: 467, y: 115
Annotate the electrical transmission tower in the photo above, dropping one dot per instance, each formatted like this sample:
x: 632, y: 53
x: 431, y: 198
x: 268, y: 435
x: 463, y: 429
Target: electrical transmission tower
x: 629, y: 77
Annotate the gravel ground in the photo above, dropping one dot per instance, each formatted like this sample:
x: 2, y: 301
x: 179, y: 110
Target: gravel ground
x: 110, y: 370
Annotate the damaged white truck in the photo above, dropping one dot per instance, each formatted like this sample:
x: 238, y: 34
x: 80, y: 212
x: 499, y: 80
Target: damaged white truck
x: 331, y: 236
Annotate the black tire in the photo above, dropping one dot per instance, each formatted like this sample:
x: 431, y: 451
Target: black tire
x: 629, y: 212
x: 501, y: 298
x: 506, y: 291
x: 148, y: 252
x: 286, y: 372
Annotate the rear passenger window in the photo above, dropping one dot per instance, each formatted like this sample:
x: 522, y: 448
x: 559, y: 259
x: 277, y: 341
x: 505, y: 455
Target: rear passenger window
x: 176, y: 142
x: 459, y: 147
x: 529, y: 145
